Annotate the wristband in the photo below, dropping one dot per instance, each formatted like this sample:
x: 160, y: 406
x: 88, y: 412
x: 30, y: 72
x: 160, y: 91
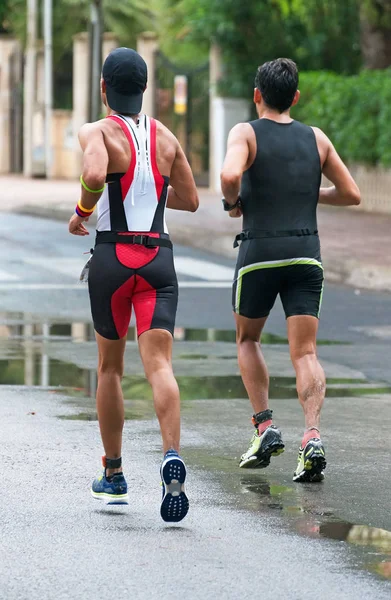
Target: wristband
x: 228, y: 207
x: 83, y: 212
x: 85, y: 186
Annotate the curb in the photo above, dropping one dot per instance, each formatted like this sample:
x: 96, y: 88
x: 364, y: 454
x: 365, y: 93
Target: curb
x: 347, y: 272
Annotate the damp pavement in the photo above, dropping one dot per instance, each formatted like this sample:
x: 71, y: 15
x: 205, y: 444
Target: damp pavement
x: 247, y: 530
x: 244, y: 529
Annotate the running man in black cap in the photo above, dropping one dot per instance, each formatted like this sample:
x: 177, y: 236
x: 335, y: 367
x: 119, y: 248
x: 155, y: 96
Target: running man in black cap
x: 271, y: 176
x: 133, y: 168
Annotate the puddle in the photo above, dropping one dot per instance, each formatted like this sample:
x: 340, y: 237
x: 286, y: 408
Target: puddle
x: 303, y: 509
x: 48, y: 354
x: 220, y: 335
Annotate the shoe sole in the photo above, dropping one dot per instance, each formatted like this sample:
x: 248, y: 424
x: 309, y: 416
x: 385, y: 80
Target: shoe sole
x: 313, y: 470
x: 261, y: 459
x: 109, y: 499
x: 175, y: 504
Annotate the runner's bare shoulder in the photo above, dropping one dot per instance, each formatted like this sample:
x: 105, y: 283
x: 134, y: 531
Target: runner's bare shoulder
x: 166, y: 141
x: 243, y: 130
x: 323, y: 143
x: 89, y: 130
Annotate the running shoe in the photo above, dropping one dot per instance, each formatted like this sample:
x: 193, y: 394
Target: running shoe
x: 311, y: 462
x: 175, y: 504
x: 112, y: 490
x: 262, y: 447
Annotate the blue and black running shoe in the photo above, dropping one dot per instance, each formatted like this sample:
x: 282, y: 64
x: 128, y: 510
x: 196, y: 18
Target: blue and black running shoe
x: 112, y: 490
x: 175, y: 504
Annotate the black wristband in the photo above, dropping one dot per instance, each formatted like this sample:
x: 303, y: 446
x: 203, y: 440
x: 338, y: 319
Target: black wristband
x: 227, y: 207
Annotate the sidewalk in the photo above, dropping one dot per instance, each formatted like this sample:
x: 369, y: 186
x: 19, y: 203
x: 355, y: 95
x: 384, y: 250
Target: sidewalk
x: 355, y: 245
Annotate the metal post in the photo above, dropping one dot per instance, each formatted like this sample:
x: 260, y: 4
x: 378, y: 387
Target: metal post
x: 48, y: 47
x: 96, y: 58
x: 45, y: 373
x: 29, y: 86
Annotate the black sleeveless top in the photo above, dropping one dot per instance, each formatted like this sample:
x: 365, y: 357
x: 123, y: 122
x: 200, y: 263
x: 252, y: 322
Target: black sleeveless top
x: 280, y: 190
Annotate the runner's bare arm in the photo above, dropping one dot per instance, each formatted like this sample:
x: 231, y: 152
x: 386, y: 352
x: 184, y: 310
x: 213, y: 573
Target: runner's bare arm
x: 345, y: 191
x: 95, y: 162
x: 182, y: 193
x: 236, y: 161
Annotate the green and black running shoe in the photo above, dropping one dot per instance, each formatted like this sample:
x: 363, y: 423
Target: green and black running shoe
x: 262, y: 447
x: 312, y: 462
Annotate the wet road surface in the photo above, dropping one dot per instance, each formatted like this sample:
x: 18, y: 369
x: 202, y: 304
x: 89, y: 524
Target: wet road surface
x: 244, y: 526
x: 58, y: 542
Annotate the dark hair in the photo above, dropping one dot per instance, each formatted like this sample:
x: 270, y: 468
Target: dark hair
x: 278, y: 81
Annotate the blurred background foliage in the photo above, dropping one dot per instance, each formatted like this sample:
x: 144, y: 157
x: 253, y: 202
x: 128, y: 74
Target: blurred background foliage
x: 343, y: 50
x: 354, y: 111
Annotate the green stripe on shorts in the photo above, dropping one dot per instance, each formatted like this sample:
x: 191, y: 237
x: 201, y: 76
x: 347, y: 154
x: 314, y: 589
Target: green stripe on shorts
x: 271, y: 264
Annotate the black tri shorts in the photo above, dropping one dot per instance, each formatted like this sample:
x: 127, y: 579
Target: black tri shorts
x: 123, y: 276
x: 286, y: 266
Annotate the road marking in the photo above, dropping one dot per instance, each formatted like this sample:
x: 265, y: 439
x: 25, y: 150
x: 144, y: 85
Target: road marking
x: 203, y: 269
x: 184, y: 265
x: 66, y: 266
x: 382, y: 332
x: 81, y: 286
x: 4, y: 276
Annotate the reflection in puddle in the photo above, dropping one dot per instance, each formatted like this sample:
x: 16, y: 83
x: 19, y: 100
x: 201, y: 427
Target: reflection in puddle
x: 294, y: 502
x: 33, y: 352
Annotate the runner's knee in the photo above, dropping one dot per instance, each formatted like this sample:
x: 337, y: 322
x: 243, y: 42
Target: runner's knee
x: 302, y: 351
x: 246, y: 336
x: 109, y: 367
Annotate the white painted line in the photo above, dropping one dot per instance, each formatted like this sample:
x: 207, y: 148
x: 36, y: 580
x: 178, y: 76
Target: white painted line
x: 203, y: 269
x: 192, y: 267
x: 81, y: 286
x: 5, y: 276
x: 66, y: 266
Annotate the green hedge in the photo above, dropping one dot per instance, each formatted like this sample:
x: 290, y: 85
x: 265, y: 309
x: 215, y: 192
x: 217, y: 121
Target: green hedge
x: 355, y: 112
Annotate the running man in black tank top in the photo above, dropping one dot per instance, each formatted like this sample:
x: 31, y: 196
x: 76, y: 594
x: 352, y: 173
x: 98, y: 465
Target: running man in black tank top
x: 271, y: 176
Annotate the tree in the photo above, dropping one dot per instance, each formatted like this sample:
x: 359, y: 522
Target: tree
x: 376, y: 33
x: 318, y: 34
x: 126, y: 19
x: 332, y: 33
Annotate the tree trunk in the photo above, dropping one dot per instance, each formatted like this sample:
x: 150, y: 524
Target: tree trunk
x: 376, y: 33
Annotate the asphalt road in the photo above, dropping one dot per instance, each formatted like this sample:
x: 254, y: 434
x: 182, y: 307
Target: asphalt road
x: 247, y: 532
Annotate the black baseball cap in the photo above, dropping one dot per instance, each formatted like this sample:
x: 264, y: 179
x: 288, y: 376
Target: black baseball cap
x: 125, y: 74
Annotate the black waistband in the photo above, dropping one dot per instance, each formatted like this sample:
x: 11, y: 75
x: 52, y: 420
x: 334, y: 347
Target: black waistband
x: 255, y: 234
x: 112, y: 237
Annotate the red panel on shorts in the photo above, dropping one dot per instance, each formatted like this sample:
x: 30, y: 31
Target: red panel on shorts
x: 133, y: 256
x: 121, y: 306
x: 144, y: 302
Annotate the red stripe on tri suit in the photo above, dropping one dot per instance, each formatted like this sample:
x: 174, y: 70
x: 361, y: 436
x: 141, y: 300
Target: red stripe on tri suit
x: 144, y: 302
x: 159, y: 180
x: 127, y: 179
x: 121, y: 308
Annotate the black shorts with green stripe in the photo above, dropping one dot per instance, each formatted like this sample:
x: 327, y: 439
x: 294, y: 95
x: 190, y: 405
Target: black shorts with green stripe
x: 288, y: 267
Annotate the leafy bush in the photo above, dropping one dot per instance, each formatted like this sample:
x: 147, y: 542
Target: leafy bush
x: 355, y: 112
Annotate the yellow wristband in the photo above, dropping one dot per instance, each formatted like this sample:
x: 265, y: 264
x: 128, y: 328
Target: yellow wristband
x: 85, y: 186
x: 85, y: 210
